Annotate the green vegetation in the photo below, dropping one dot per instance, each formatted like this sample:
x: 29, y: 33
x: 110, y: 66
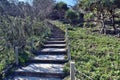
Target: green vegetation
x: 61, y: 6
x: 95, y: 55
x: 71, y: 16
x: 24, y: 26
x: 104, y: 11
x: 59, y: 11
x: 20, y: 36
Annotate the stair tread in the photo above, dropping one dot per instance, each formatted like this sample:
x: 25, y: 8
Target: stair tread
x: 42, y: 68
x: 55, y: 45
x: 53, y: 50
x: 56, y: 38
x: 55, y: 41
x: 34, y: 78
x: 50, y: 57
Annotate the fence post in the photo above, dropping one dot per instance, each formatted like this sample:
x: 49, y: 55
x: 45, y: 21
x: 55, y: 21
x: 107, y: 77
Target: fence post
x: 69, y: 54
x: 72, y: 70
x: 66, y: 35
x: 68, y: 45
x: 16, y: 56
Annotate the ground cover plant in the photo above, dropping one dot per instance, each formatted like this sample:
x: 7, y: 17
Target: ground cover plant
x: 95, y: 55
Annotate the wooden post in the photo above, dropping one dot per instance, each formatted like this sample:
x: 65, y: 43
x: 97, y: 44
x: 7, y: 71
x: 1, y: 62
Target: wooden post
x: 69, y: 54
x: 66, y: 34
x: 17, y: 56
x: 68, y: 45
x: 72, y: 70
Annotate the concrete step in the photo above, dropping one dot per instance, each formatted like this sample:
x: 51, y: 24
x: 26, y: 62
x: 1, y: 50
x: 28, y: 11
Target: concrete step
x: 47, y: 61
x: 54, y: 46
x: 55, y: 59
x: 50, y: 57
x: 53, y: 50
x: 55, y: 42
x: 56, y: 39
x: 56, y: 35
x: 41, y: 70
x: 56, y: 30
x: 34, y: 78
x: 49, y: 53
x: 40, y: 74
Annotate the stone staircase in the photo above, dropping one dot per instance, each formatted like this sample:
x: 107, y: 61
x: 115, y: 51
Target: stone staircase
x: 49, y: 62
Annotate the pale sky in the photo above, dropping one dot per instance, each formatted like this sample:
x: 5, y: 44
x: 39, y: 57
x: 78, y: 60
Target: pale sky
x: 69, y: 2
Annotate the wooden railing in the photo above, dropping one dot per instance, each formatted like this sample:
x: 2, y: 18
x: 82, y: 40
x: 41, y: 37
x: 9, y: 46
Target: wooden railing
x: 68, y: 45
x: 72, y: 64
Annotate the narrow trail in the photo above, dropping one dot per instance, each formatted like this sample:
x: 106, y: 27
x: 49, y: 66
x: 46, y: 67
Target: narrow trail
x: 49, y: 62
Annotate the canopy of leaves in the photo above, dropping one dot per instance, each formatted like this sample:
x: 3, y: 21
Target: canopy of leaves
x: 61, y: 5
x: 99, y: 4
x: 71, y: 15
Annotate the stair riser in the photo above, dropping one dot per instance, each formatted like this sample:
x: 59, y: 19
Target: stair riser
x: 38, y: 74
x: 51, y: 53
x: 57, y: 34
x: 55, y: 42
x: 54, y: 47
x: 48, y: 61
x: 56, y: 39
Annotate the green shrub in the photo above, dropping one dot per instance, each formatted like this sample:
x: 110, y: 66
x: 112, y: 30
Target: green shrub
x: 71, y: 16
x: 61, y: 5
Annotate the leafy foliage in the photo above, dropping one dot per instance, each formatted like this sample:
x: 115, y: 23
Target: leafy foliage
x: 95, y: 55
x: 59, y: 11
x: 72, y: 16
x: 61, y: 5
x: 19, y: 32
x: 104, y: 10
x: 19, y: 29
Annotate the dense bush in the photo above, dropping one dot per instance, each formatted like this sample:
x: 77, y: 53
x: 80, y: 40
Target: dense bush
x: 72, y: 16
x: 59, y: 11
x: 61, y: 5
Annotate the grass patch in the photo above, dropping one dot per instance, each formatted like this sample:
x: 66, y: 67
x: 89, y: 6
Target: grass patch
x: 95, y: 55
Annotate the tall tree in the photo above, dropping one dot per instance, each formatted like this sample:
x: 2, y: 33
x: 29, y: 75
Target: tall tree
x: 72, y: 16
x: 61, y: 8
x: 42, y: 8
x: 102, y: 8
